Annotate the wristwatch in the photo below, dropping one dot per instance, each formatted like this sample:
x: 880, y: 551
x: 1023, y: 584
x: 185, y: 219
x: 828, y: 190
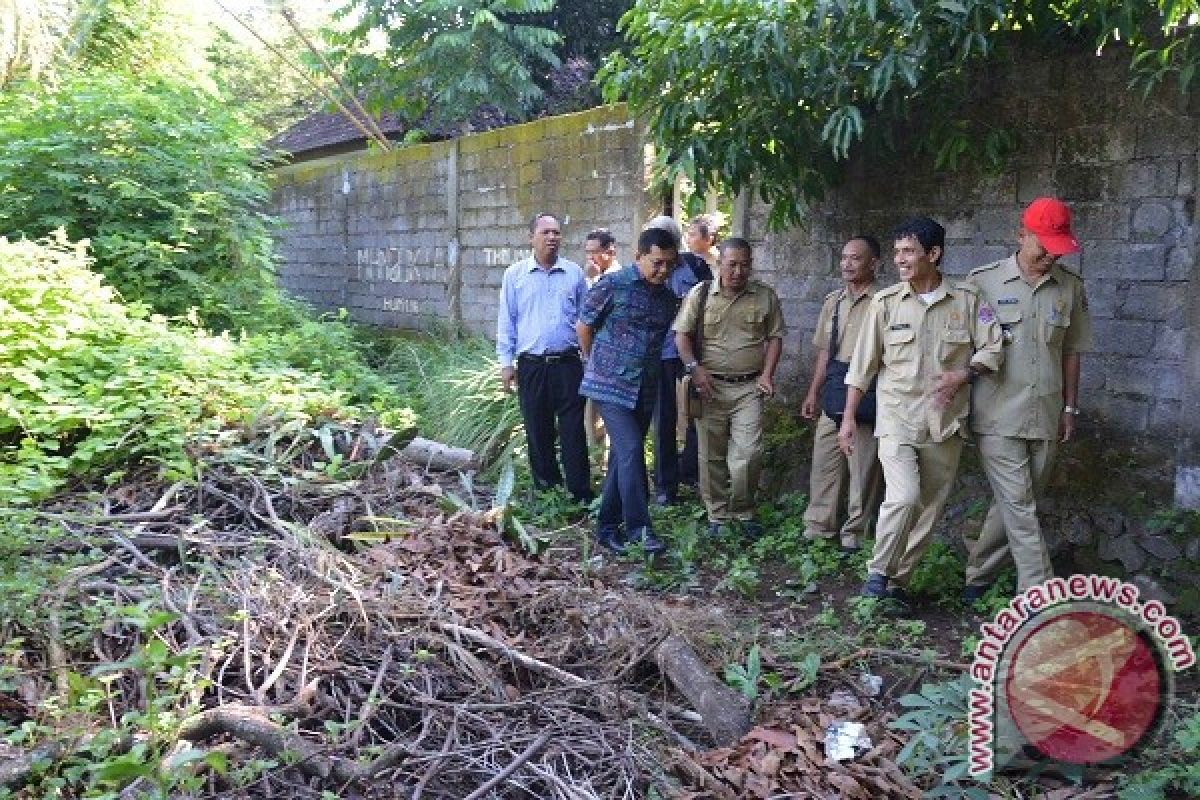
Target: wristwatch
x: 1072, y: 410
x: 689, y: 366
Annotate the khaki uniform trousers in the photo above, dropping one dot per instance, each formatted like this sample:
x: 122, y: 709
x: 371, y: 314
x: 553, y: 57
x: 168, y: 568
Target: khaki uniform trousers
x: 1018, y: 470
x: 730, y: 436
x: 827, y: 478
x: 918, y: 479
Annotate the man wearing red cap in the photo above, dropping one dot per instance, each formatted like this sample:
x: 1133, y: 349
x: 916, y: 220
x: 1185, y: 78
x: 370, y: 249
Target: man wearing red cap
x: 1024, y: 410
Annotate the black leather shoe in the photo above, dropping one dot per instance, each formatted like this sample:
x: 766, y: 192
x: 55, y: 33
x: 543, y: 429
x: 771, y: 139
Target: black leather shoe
x: 610, y: 540
x: 974, y: 593
x: 875, y: 586
x: 651, y: 544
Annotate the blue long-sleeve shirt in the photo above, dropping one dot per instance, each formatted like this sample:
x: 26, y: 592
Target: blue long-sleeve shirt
x: 690, y: 270
x: 538, y: 309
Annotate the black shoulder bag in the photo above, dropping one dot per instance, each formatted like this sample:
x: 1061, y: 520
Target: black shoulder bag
x: 833, y: 393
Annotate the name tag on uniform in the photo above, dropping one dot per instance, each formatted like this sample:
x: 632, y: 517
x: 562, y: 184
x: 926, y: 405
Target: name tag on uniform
x: 1007, y: 301
x: 899, y: 326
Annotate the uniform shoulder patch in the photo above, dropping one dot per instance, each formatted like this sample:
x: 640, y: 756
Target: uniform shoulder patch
x: 965, y: 286
x: 984, y: 268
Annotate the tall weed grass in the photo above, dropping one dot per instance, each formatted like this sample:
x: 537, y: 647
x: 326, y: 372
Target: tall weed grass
x: 453, y: 385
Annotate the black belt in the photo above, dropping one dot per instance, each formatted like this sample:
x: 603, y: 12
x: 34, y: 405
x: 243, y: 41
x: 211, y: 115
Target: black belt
x: 550, y: 358
x: 749, y: 376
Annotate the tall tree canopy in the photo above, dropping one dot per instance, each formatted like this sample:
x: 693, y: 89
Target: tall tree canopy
x: 446, y: 58
x: 774, y: 93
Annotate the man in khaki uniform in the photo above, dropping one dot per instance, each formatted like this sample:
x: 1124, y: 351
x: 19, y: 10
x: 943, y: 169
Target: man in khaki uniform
x: 741, y: 340
x: 830, y: 467
x: 1023, y: 411
x: 925, y: 337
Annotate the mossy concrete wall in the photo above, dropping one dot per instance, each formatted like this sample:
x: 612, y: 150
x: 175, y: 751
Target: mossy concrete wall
x: 419, y: 237
x: 1126, y: 166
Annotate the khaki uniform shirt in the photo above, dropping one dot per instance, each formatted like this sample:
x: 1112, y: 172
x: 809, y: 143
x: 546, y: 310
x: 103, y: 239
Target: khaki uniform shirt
x: 736, y: 327
x: 1039, y: 325
x: 851, y: 313
x: 909, y: 343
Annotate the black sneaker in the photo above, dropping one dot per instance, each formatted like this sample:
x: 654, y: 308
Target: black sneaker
x: 876, y: 586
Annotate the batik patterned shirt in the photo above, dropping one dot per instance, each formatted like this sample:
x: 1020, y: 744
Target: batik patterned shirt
x: 630, y: 318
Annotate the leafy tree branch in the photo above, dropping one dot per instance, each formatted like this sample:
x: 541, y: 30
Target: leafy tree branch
x: 775, y: 95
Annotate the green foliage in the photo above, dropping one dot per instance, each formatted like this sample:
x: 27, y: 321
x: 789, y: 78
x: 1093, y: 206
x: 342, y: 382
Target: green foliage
x: 447, y: 58
x: 142, y: 743
x: 162, y: 180
x: 90, y: 385
x: 138, y: 37
x: 937, y: 722
x: 273, y: 95
x: 939, y: 573
x: 1171, y: 770
x: 826, y: 74
x: 745, y: 677
x: 43, y: 40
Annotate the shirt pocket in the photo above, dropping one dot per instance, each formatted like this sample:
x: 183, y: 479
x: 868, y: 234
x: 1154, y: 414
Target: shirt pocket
x: 900, y: 345
x: 1009, y: 319
x: 754, y: 318
x: 954, y: 347
x: 1056, y: 331
x: 570, y: 308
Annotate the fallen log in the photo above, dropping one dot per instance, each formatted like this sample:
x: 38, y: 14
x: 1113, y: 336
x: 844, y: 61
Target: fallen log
x: 725, y: 713
x: 249, y: 724
x: 435, y: 455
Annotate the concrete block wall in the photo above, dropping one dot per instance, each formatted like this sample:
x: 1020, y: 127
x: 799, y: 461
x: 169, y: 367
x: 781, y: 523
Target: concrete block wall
x: 419, y: 237
x: 1126, y: 166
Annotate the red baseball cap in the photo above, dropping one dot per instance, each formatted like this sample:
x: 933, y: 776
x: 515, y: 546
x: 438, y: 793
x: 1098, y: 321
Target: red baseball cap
x: 1050, y: 221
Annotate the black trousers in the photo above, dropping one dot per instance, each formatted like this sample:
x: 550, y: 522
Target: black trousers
x: 672, y: 467
x: 548, y: 392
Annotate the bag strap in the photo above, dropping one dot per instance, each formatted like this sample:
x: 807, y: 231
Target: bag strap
x: 833, y: 331
x: 698, y: 333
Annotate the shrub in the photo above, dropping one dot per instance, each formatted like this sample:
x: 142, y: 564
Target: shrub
x: 159, y: 176
x: 89, y: 384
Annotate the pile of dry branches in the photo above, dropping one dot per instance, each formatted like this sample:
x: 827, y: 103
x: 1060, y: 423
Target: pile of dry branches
x: 371, y: 639
x: 367, y: 636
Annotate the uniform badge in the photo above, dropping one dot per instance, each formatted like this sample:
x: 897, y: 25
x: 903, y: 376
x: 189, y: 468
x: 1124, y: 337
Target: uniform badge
x: 1056, y: 314
x: 955, y: 319
x: 986, y: 314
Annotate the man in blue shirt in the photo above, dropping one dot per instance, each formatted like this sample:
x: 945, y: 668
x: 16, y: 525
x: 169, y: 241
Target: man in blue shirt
x: 536, y: 343
x: 671, y: 467
x: 621, y: 329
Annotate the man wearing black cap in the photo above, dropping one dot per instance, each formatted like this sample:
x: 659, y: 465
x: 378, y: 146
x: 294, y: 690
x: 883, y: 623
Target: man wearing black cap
x: 1023, y: 411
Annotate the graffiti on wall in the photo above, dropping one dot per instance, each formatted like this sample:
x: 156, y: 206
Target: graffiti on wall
x: 393, y: 271
x: 402, y: 265
x: 503, y: 256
